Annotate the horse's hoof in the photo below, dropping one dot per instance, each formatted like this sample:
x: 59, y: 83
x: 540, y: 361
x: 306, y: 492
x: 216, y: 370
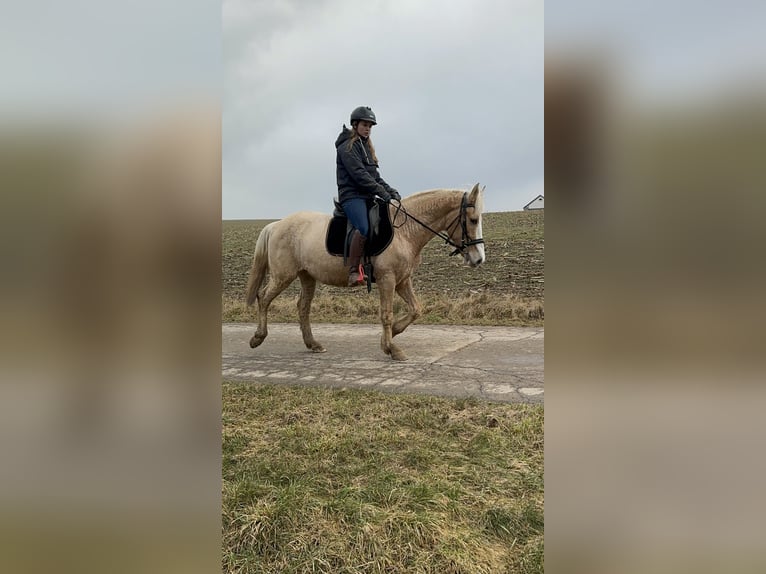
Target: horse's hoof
x: 318, y: 349
x: 255, y: 341
x: 397, y: 355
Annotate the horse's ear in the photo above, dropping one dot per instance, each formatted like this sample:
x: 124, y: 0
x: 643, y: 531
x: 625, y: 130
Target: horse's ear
x: 474, y: 192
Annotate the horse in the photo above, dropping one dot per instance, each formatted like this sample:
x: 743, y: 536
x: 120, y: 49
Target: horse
x: 295, y: 247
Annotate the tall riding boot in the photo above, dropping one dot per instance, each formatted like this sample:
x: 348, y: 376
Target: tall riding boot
x: 355, y: 252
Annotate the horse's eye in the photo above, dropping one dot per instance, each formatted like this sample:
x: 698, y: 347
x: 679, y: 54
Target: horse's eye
x: 474, y: 221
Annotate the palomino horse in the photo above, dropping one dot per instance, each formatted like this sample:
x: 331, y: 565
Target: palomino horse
x: 295, y: 247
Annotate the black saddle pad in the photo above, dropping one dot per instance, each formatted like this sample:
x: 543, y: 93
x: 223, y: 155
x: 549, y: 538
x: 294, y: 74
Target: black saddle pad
x: 338, y: 228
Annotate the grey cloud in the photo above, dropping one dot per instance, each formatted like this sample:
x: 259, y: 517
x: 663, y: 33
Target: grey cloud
x: 457, y: 90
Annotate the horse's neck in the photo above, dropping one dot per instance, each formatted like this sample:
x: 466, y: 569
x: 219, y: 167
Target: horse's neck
x: 437, y: 212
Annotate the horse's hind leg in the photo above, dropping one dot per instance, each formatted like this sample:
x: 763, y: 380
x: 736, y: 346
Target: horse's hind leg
x: 308, y: 287
x: 274, y: 287
x: 414, y: 309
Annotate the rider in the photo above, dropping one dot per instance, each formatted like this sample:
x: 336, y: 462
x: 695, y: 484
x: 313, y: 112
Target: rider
x: 358, y: 183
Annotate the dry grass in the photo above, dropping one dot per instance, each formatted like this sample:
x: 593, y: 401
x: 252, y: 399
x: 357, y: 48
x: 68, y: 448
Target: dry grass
x: 348, y: 481
x: 359, y: 307
x: 507, y: 290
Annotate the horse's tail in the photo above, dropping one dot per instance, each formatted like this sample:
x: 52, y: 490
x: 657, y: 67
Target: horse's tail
x: 260, y: 265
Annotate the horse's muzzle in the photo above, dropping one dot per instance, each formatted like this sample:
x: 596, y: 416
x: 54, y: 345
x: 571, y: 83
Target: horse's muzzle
x: 473, y: 260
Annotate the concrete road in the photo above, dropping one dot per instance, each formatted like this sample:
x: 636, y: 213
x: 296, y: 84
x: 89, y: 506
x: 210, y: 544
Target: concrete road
x: 493, y: 363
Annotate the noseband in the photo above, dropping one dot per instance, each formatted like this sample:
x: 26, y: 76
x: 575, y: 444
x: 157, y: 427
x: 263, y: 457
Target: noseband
x: 461, y: 219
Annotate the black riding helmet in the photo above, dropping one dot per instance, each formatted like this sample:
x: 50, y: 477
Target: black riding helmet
x: 363, y: 113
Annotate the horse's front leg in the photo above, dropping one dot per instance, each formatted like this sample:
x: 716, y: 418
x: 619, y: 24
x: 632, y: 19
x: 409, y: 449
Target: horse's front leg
x: 386, y: 289
x: 414, y: 309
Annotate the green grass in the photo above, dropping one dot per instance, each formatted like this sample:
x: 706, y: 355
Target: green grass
x: 347, y: 481
x: 508, y: 289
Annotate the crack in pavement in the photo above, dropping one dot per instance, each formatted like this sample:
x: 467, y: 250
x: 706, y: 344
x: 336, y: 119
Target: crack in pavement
x: 451, y: 350
x: 508, y: 362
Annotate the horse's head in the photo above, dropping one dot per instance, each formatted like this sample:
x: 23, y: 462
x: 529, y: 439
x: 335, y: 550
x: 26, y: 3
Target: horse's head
x: 468, y: 235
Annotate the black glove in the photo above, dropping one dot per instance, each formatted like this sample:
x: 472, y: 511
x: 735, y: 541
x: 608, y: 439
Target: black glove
x: 383, y: 194
x: 395, y: 195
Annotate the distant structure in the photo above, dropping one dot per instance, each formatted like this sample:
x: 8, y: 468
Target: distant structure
x: 536, y: 203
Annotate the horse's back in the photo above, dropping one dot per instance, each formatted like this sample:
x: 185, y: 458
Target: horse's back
x: 302, y: 225
x: 301, y: 234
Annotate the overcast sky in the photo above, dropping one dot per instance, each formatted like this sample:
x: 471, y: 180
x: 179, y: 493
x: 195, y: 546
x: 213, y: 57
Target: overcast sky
x: 88, y: 57
x: 457, y: 88
x: 665, y: 51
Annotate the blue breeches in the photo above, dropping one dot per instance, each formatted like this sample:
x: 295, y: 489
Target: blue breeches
x: 356, y: 211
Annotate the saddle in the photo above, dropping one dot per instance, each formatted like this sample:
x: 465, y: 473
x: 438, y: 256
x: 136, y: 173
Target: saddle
x: 340, y: 229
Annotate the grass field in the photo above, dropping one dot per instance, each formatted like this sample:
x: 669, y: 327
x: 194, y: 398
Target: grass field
x: 346, y: 481
x: 506, y: 290
x: 349, y: 481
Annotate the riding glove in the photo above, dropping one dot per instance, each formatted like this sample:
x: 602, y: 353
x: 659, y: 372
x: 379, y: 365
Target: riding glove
x: 395, y: 195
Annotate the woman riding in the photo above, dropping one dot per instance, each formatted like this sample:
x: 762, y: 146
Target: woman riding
x: 358, y: 183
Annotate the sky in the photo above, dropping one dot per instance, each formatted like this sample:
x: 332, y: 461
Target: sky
x: 457, y: 88
x: 91, y: 57
x: 676, y: 50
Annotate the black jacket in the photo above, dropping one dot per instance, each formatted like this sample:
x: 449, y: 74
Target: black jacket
x: 356, y: 170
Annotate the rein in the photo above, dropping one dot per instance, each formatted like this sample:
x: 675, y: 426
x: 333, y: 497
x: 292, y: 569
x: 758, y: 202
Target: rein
x: 465, y: 241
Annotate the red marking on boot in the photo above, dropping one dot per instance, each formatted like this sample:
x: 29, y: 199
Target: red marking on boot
x: 362, y: 278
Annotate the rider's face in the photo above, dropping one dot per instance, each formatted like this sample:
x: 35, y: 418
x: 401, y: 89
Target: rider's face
x: 363, y: 128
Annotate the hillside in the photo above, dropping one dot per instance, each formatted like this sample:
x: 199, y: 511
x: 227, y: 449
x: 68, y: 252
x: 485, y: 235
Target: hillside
x: 508, y: 289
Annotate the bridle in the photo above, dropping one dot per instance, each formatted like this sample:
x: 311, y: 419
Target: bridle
x: 460, y: 219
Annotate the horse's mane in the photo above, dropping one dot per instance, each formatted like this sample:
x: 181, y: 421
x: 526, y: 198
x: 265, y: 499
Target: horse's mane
x: 423, y: 199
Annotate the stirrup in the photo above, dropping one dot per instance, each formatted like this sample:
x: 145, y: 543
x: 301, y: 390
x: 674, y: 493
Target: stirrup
x: 360, y: 279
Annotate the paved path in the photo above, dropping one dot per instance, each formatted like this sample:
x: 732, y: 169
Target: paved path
x: 494, y: 363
